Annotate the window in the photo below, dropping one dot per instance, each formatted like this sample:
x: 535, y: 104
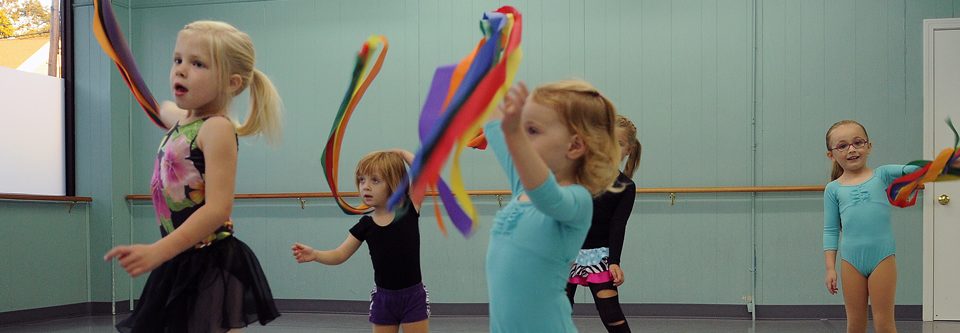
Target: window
x: 36, y: 134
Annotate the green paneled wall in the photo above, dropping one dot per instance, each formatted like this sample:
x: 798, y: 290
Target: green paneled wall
x: 44, y: 256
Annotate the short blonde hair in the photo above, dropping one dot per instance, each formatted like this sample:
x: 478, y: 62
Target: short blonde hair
x: 389, y: 165
x: 593, y: 117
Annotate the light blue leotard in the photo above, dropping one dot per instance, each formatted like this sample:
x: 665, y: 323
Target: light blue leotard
x: 532, y: 245
x: 864, y: 214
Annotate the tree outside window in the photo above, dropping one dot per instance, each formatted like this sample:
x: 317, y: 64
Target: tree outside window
x: 30, y: 36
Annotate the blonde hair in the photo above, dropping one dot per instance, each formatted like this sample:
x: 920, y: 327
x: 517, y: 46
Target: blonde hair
x: 592, y: 117
x: 231, y: 52
x: 389, y: 165
x: 635, y: 147
x: 837, y: 171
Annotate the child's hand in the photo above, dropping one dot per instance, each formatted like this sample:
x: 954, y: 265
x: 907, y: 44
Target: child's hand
x: 136, y: 259
x: 617, y: 275
x: 831, y: 282
x: 512, y: 107
x: 406, y: 154
x: 303, y: 253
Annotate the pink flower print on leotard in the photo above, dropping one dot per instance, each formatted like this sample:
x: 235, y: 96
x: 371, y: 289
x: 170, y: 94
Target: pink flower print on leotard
x: 176, y: 171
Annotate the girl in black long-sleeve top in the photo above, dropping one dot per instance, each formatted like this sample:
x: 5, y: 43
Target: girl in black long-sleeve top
x: 598, y: 265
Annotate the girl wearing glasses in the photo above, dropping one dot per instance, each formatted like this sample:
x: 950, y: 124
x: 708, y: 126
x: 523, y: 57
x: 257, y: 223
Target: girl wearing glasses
x: 855, y: 201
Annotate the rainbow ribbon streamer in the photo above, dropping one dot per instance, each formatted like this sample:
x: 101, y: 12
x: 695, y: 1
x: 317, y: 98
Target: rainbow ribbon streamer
x: 904, y: 190
x: 110, y: 38
x: 363, y: 75
x: 470, y: 90
x: 331, y: 154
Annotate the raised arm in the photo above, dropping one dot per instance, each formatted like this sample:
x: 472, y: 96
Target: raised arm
x: 531, y: 169
x: 170, y: 114
x: 408, y: 157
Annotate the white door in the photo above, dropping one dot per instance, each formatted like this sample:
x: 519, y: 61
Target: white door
x: 941, y: 218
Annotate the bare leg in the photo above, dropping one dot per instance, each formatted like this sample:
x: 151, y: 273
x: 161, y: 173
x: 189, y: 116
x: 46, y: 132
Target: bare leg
x: 855, y: 295
x: 422, y: 326
x: 882, y: 286
x: 386, y: 328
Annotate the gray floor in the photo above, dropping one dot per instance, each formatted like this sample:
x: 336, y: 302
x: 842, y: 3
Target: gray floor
x: 349, y: 323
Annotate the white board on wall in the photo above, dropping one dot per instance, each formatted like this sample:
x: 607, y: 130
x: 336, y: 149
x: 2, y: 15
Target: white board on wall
x: 31, y: 133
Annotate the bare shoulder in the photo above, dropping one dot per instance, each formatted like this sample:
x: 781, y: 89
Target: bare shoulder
x: 217, y: 130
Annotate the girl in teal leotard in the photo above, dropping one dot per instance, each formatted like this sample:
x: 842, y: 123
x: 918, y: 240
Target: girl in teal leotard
x: 855, y: 203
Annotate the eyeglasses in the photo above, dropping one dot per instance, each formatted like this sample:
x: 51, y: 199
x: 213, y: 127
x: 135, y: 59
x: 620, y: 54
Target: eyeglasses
x: 857, y: 144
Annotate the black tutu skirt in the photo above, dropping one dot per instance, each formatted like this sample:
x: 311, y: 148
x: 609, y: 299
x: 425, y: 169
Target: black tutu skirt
x: 211, y: 289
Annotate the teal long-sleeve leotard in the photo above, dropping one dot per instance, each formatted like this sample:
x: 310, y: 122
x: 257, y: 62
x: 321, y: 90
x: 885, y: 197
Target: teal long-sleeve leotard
x: 532, y: 244
x: 862, y: 212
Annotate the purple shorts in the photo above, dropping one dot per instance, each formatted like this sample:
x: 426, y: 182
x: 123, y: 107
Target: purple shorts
x: 395, y: 307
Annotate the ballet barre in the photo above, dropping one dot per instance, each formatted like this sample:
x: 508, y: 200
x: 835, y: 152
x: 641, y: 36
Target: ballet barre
x: 672, y: 193
x: 71, y: 200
